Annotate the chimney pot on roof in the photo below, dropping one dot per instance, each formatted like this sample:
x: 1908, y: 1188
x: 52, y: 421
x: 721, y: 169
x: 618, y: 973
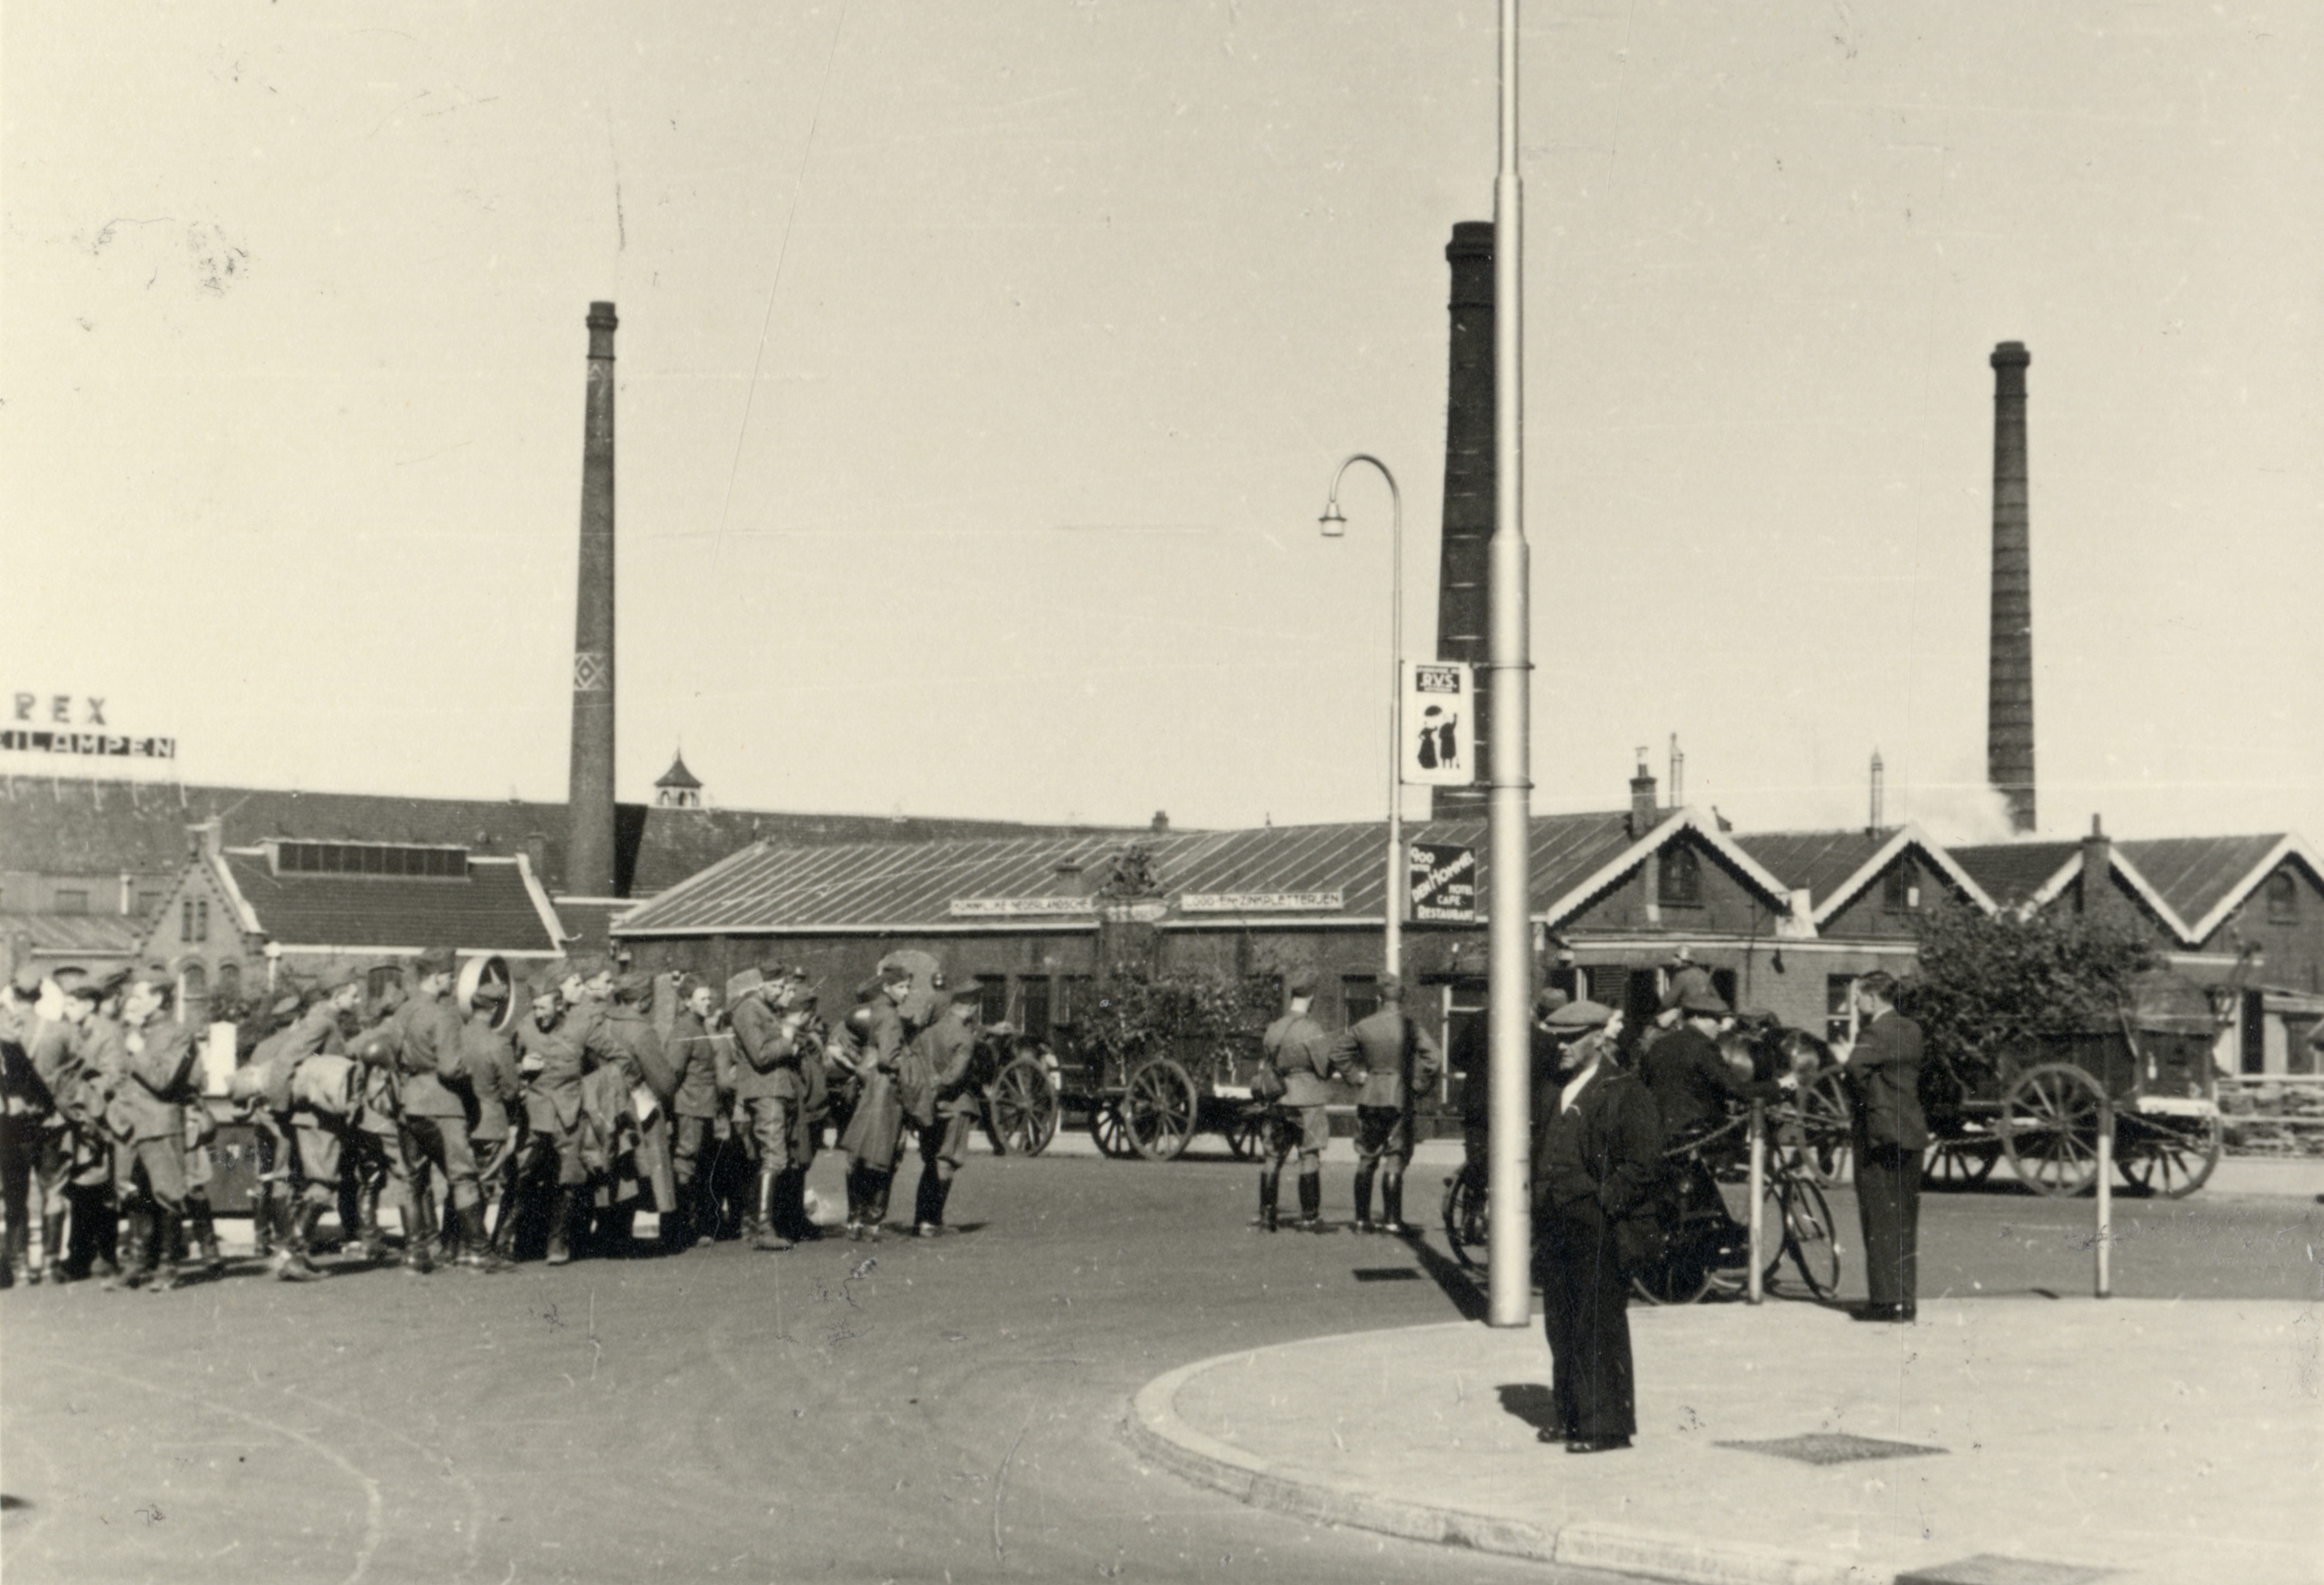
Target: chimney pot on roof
x: 1642, y: 799
x: 1161, y: 821
x: 1879, y: 794
x: 2098, y: 895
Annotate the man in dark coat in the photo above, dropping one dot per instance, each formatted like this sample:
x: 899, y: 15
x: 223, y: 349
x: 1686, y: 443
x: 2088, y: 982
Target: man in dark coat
x: 1883, y: 1073
x: 948, y: 1116
x: 1297, y: 1048
x: 1392, y: 1061
x: 1597, y: 1153
x: 1692, y: 1084
x: 694, y: 1111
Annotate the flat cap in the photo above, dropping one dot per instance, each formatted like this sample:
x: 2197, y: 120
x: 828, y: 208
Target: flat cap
x: 1584, y: 1014
x: 438, y: 959
x: 490, y: 993
x: 742, y: 983
x: 1700, y: 1003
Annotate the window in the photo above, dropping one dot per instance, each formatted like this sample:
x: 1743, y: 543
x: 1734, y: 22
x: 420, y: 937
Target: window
x: 1900, y: 887
x: 1836, y: 1004
x: 230, y: 982
x: 2283, y: 898
x: 193, y: 996
x: 349, y: 858
x: 992, y: 999
x: 193, y: 919
x: 71, y: 900
x: 1034, y: 997
x: 1607, y: 985
x: 1360, y: 996
x: 1681, y: 885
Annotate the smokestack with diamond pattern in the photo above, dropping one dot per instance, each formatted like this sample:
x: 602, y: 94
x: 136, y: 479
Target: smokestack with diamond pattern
x: 2009, y: 681
x: 589, y: 800
x: 1462, y: 582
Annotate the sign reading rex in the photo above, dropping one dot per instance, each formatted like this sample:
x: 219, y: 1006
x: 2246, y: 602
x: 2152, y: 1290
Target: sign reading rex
x: 1438, y: 729
x: 73, y: 724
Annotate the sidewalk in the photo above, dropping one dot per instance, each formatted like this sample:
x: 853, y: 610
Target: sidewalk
x: 2049, y: 1441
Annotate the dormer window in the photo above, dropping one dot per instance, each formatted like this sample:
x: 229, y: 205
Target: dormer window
x: 1900, y: 889
x: 2283, y: 898
x: 1681, y: 885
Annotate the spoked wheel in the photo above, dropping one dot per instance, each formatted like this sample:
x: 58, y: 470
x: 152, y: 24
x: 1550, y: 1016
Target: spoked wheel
x: 1024, y: 1107
x: 1826, y: 1150
x: 2170, y: 1156
x: 1468, y: 1220
x: 1959, y: 1164
x: 1679, y: 1278
x: 2049, y: 1128
x: 1809, y: 1238
x: 1246, y: 1132
x: 1160, y: 1108
x: 1111, y: 1131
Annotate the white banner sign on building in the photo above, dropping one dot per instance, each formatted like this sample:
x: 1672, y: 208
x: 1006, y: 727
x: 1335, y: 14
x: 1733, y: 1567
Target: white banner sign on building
x: 1438, y: 727
x: 1261, y: 902
x: 1006, y: 907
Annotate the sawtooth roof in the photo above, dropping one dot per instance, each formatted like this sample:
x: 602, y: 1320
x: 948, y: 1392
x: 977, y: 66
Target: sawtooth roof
x: 2197, y: 875
x: 2012, y: 872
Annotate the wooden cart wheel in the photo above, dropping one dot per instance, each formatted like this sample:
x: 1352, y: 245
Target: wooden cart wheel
x: 1024, y: 1107
x: 1826, y: 1142
x: 1161, y: 1108
x: 1111, y: 1130
x: 2049, y: 1128
x: 1959, y: 1164
x: 1246, y: 1131
x: 491, y: 969
x: 2172, y: 1156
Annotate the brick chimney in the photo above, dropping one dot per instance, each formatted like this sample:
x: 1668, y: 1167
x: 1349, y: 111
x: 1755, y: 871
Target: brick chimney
x: 589, y: 797
x: 2009, y: 677
x: 2099, y: 898
x: 1463, y: 606
x: 1644, y: 811
x: 206, y: 839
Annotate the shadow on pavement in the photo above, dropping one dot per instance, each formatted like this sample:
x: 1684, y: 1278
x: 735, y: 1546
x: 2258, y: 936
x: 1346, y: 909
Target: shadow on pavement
x: 1530, y: 1402
x: 1454, y: 1283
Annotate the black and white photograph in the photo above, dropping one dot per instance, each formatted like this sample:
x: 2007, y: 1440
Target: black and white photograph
x: 1162, y: 792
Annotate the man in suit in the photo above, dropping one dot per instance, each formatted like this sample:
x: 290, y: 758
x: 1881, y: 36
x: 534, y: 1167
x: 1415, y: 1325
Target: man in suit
x: 1392, y: 1060
x: 1597, y: 1154
x: 1299, y: 1050
x: 1883, y: 1073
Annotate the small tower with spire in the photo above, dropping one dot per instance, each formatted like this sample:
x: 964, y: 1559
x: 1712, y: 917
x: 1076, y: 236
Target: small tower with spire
x: 678, y: 788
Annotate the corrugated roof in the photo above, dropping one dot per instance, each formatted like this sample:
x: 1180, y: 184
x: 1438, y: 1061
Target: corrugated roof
x: 2012, y: 872
x: 2195, y: 874
x: 99, y: 935
x: 893, y: 887
x: 67, y: 826
x: 491, y: 911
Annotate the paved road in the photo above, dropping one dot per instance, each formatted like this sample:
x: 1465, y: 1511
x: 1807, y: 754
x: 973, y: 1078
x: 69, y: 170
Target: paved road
x: 916, y: 1411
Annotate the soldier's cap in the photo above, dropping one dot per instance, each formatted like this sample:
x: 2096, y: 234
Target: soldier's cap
x: 870, y: 988
x: 895, y: 973
x: 438, y: 959
x: 546, y: 983
x: 1703, y: 1004
x: 490, y: 993
x: 1584, y: 1014
x: 283, y: 1006
x: 740, y: 985
x: 1760, y: 1018
x: 688, y: 985
x: 154, y: 974
x: 1391, y: 987
x: 1547, y: 1001
x: 634, y: 986
x: 26, y: 981
x: 87, y: 989
x: 1681, y: 957
x: 966, y: 990
x: 1302, y: 982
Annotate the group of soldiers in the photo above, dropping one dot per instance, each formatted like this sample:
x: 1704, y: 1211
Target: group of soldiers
x: 499, y: 1133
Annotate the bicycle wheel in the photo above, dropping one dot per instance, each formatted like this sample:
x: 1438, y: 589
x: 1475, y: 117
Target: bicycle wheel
x: 1468, y: 1220
x: 1810, y: 1238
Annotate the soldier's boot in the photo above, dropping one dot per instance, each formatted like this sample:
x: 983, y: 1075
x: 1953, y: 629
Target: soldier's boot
x: 293, y: 1262
x: 169, y: 1244
x: 262, y: 1221
x: 476, y: 1252
x: 928, y: 1205
x: 19, y: 1267
x: 419, y: 1234
x: 52, y: 1246
x: 1310, y: 1202
x: 136, y: 1235
x: 1364, y: 1171
x: 765, y: 1213
x: 103, y: 1234
x: 560, y: 1224
x: 504, y: 1223
x: 1270, y: 1183
x: 367, y: 1232
x: 201, y: 1236
x: 1392, y: 1205
x: 797, y: 1225
x: 450, y: 1235
x: 943, y: 1196
x: 876, y: 1185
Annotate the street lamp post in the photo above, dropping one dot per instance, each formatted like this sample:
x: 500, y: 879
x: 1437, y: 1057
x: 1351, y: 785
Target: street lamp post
x: 1334, y: 526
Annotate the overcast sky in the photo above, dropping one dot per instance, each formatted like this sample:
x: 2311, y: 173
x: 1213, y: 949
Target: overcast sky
x: 981, y: 369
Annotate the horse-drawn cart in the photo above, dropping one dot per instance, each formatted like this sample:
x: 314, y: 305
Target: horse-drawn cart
x: 2042, y: 1109
x: 1146, y: 1099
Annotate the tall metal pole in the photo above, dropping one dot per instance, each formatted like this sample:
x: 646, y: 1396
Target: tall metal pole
x: 1509, y: 947
x: 1392, y: 949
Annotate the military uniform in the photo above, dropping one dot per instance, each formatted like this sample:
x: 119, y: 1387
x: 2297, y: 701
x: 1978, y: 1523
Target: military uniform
x: 434, y: 1118
x: 151, y: 1124
x: 495, y: 1098
x: 768, y: 1091
x: 24, y: 1111
x: 94, y: 1240
x: 875, y: 1126
x: 943, y: 1107
x: 694, y: 1114
x: 1297, y: 1048
x: 562, y: 1057
x: 1397, y: 1061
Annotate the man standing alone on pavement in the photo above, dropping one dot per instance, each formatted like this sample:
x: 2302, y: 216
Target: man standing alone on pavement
x: 1299, y: 1050
x: 1883, y: 1072
x: 1391, y: 1060
x: 1598, y: 1148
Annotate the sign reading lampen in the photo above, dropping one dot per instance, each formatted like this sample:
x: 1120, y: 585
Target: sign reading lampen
x: 1261, y: 902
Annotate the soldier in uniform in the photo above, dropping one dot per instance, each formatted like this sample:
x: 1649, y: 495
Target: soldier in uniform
x: 768, y: 1091
x: 435, y: 1113
x: 24, y: 1111
x: 373, y: 1148
x: 315, y: 1115
x: 561, y: 1046
x: 1392, y: 1061
x: 1299, y: 1050
x: 60, y: 1092
x: 646, y: 1083
x: 149, y: 1109
x: 495, y: 1105
x: 94, y: 1247
x: 694, y: 1114
x: 871, y: 1041
x: 815, y: 1102
x: 947, y: 1107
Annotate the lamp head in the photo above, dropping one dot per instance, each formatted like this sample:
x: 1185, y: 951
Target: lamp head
x: 1334, y: 525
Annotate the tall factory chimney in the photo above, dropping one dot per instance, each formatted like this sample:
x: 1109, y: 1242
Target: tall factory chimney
x: 2009, y: 681
x: 1463, y: 628
x: 589, y: 798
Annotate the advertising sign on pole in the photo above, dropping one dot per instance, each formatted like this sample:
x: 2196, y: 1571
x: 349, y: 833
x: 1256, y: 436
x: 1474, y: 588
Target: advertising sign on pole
x: 1444, y: 883
x: 1438, y: 726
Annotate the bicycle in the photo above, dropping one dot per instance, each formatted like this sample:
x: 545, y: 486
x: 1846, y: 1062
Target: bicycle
x: 1704, y: 1245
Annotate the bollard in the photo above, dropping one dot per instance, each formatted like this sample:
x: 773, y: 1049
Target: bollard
x: 2103, y: 1245
x: 1754, y: 1290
